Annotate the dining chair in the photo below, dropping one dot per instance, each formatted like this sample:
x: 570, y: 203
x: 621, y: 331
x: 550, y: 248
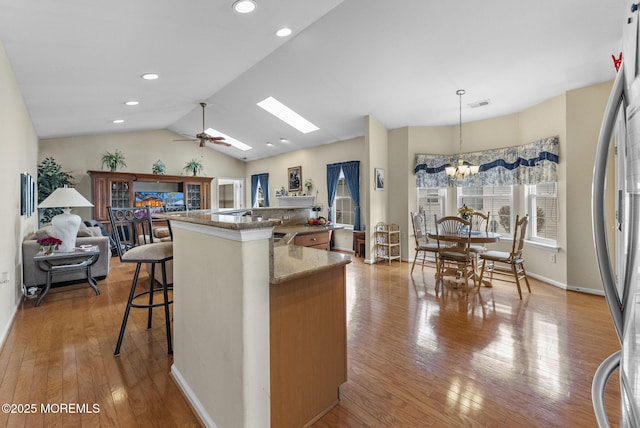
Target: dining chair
x: 132, y: 230
x: 455, y: 260
x: 508, y: 264
x: 426, y: 252
x: 479, y: 223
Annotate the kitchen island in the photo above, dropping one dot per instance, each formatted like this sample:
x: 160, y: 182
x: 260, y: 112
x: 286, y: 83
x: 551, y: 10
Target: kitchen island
x: 259, y: 331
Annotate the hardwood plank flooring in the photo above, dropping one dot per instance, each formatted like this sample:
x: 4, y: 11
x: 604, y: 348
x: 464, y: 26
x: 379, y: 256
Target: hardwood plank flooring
x: 418, y: 357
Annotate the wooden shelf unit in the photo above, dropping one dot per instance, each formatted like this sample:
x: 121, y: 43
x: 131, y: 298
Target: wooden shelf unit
x: 117, y: 189
x: 387, y: 242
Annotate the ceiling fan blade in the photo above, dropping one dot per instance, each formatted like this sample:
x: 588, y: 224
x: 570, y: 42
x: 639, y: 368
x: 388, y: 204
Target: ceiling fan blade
x: 221, y: 142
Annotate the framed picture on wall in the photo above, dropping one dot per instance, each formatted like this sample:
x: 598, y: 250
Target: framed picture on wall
x: 27, y: 193
x: 379, y: 179
x: 295, y: 178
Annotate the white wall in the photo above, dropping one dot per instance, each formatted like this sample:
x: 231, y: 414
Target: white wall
x: 19, y: 144
x: 141, y: 149
x: 377, y: 150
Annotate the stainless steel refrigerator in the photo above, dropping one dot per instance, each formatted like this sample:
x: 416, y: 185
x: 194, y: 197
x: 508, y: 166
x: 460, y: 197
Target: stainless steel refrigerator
x: 620, y: 269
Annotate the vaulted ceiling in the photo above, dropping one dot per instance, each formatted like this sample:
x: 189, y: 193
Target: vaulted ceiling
x: 77, y: 62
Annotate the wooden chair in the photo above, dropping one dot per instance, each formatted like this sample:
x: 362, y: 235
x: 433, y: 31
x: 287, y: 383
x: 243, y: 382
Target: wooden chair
x: 424, y: 248
x: 455, y: 260
x: 479, y: 223
x: 133, y: 232
x: 508, y: 264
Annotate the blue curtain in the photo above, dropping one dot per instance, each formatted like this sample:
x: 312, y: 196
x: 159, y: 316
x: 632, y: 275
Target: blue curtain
x: 255, y: 179
x: 351, y: 172
x: 263, y: 180
x: 532, y: 163
x: 333, y: 175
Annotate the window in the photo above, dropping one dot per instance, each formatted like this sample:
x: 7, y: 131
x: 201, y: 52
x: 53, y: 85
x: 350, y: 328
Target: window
x: 343, y: 204
x: 432, y: 201
x: 259, y: 198
x: 543, y: 212
x: 497, y: 201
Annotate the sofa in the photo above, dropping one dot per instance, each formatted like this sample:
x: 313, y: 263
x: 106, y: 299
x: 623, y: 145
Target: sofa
x: 32, y: 275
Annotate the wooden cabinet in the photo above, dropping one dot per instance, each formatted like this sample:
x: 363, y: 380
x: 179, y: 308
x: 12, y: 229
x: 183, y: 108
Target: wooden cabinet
x: 118, y: 189
x: 387, y: 242
x: 319, y: 240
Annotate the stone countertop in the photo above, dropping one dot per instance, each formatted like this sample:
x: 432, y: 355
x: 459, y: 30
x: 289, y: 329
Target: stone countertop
x: 294, y: 261
x: 289, y: 261
x: 216, y: 219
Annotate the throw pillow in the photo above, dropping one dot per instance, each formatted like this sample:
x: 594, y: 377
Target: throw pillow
x: 45, y: 232
x: 84, y: 231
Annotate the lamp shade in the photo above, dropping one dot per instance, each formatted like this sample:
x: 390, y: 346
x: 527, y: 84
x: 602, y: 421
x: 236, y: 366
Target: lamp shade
x: 65, y: 197
x: 65, y: 225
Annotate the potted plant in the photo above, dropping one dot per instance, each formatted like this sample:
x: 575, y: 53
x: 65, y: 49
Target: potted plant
x: 308, y: 184
x: 194, y: 166
x: 158, y: 167
x: 50, y: 177
x: 113, y: 160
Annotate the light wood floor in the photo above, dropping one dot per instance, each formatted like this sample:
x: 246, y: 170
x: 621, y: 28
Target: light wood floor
x: 417, y: 358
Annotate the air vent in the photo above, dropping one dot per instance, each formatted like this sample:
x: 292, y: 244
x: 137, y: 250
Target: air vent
x: 479, y: 104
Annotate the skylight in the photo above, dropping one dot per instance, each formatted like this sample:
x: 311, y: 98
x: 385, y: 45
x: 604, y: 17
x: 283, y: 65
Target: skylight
x: 287, y: 115
x: 227, y: 139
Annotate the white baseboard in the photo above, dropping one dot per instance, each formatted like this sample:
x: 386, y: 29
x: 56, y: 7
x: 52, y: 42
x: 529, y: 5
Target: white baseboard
x: 191, y: 396
x: 7, y: 328
x: 565, y: 286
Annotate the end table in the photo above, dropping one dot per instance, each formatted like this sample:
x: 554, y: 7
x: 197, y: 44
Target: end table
x: 67, y: 262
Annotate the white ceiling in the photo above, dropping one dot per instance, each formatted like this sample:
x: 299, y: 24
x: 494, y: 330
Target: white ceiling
x: 77, y: 62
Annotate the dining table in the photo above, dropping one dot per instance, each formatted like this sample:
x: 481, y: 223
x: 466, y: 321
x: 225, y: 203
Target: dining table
x: 477, y: 237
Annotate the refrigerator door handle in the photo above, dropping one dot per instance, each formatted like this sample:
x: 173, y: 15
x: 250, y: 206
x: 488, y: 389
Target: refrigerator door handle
x: 598, y: 386
x: 616, y: 98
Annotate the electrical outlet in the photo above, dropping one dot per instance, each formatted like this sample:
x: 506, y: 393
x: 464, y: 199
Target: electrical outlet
x: 4, y: 277
x: 552, y: 257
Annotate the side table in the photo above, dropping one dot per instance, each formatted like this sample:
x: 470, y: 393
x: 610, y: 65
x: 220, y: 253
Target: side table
x: 67, y: 262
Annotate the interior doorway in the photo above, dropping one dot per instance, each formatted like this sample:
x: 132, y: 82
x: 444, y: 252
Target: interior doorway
x: 230, y: 193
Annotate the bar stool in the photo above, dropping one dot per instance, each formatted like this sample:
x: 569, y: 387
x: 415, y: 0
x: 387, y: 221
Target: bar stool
x: 133, y: 233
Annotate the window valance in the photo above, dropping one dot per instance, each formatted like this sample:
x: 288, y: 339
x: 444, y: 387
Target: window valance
x: 531, y: 163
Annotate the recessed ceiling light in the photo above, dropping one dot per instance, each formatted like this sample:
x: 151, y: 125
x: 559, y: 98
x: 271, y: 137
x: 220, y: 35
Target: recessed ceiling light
x: 150, y: 76
x: 244, y: 6
x: 131, y: 103
x: 287, y: 115
x: 118, y: 121
x: 269, y: 144
x: 284, y: 32
x: 284, y: 140
x: 227, y: 139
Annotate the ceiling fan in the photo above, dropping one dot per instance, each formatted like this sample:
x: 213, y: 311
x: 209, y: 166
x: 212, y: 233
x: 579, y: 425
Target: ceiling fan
x: 203, y: 137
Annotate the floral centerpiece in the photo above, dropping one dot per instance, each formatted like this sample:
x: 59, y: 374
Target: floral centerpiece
x: 465, y: 212
x: 49, y: 244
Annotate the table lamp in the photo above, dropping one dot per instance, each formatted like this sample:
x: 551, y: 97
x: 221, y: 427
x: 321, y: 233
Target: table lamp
x: 65, y: 225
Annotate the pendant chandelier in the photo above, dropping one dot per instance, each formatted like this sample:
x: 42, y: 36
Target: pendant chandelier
x: 463, y: 169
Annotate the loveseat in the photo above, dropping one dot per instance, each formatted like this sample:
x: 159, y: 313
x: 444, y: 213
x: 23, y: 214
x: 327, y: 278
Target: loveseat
x: 32, y: 275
